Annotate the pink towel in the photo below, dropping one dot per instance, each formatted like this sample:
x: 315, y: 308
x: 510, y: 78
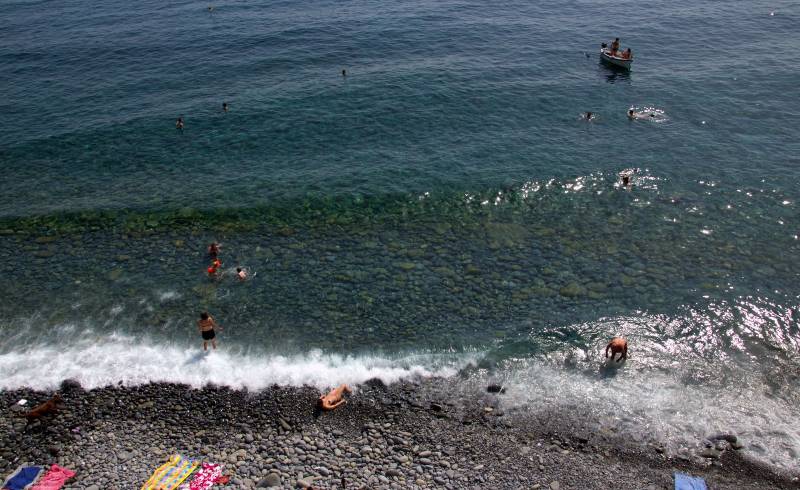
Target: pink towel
x: 204, y: 478
x: 54, y: 478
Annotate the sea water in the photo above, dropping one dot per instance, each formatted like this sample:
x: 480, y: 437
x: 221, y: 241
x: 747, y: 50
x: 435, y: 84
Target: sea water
x: 440, y: 210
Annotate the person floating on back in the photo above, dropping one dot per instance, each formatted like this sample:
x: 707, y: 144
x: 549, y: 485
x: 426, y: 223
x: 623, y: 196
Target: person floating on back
x: 206, y: 324
x: 618, y: 345
x: 334, y: 399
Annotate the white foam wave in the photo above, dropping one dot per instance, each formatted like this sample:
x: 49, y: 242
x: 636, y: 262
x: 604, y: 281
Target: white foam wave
x: 121, y: 358
x: 651, y: 405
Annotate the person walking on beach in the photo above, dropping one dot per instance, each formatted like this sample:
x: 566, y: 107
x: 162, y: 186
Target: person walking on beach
x: 618, y: 345
x: 207, y: 327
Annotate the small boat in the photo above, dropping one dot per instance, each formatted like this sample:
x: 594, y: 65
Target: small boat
x: 605, y: 55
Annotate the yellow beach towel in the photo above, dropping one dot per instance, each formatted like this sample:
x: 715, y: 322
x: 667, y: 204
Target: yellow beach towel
x: 171, y: 474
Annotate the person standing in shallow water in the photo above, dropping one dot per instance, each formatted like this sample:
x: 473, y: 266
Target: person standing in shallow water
x: 207, y: 327
x: 618, y: 345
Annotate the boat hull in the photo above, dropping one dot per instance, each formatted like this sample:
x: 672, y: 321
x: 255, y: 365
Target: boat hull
x: 615, y: 60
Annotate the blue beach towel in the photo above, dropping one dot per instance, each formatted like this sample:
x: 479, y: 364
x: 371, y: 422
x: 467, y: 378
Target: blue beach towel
x: 22, y: 478
x: 686, y: 482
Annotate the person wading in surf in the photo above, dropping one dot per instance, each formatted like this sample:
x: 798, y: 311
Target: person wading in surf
x: 618, y: 345
x: 206, y: 325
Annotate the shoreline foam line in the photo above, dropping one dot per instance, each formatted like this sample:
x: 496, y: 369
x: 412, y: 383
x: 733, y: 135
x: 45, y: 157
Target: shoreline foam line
x: 121, y: 358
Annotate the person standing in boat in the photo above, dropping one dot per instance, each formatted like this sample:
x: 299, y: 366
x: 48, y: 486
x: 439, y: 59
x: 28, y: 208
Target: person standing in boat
x: 615, y: 47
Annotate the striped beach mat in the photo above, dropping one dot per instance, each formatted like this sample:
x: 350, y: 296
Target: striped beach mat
x: 171, y: 474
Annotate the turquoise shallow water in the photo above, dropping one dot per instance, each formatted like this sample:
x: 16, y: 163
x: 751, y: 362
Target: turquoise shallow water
x: 442, y: 209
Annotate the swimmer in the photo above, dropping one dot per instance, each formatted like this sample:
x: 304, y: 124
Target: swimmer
x: 212, y: 271
x: 225, y: 106
x: 213, y: 250
x: 618, y: 345
x: 631, y: 114
x: 344, y: 72
x: 333, y: 399
x: 179, y: 123
x: 206, y: 325
x: 626, y: 180
x: 241, y: 274
x: 210, y: 8
x: 588, y: 116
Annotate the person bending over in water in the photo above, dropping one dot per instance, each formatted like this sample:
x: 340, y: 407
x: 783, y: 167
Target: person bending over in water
x: 334, y: 399
x: 618, y: 345
x: 206, y: 324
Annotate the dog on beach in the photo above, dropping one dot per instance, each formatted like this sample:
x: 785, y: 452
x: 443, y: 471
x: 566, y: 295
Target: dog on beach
x: 50, y: 406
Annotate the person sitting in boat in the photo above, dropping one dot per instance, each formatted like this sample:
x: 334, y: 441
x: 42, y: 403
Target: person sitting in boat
x: 615, y: 47
x: 626, y: 55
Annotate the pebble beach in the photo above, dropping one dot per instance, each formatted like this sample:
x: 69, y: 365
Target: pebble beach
x: 407, y: 435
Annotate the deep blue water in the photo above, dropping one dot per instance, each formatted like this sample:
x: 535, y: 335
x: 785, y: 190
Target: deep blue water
x: 441, y: 204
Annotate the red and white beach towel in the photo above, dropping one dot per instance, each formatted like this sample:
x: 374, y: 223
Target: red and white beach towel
x: 54, y: 478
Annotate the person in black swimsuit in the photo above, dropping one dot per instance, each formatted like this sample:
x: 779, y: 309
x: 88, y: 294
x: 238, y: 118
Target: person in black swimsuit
x: 206, y: 325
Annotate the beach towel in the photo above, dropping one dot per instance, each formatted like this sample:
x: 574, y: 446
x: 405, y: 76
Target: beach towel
x: 54, y: 478
x: 22, y: 478
x: 204, y: 478
x: 686, y: 482
x: 171, y: 474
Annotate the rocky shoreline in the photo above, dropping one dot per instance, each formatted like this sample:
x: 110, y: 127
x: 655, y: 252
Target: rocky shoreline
x: 412, y: 434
